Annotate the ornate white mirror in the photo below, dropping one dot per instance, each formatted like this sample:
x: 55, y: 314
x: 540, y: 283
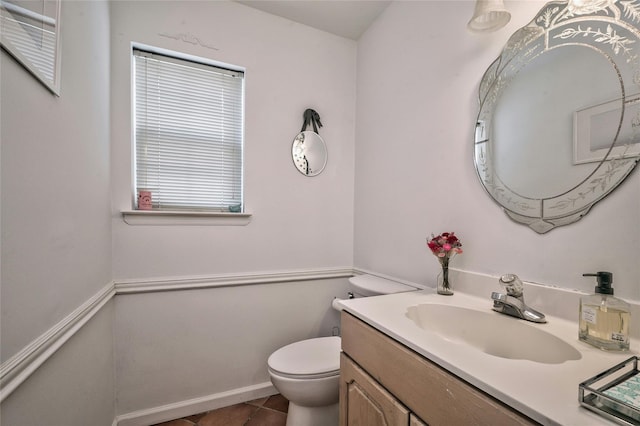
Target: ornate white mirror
x: 559, y: 121
x: 30, y: 32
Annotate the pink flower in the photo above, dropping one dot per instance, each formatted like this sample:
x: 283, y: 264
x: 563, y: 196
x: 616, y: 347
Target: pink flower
x: 444, y: 245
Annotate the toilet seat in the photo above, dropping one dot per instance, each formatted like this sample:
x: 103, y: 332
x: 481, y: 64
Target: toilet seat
x: 307, y: 359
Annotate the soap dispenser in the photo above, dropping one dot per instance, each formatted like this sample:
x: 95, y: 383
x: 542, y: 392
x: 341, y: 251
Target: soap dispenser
x: 604, y: 319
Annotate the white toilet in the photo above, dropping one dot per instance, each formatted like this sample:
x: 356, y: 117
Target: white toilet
x: 307, y: 373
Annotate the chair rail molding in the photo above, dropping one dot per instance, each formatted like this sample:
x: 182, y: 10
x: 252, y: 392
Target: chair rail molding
x: 227, y: 280
x: 18, y: 368
x: 15, y: 370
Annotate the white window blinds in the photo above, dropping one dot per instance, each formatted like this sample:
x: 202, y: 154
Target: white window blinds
x: 188, y: 133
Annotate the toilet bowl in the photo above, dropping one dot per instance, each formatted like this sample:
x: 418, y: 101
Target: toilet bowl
x: 307, y: 373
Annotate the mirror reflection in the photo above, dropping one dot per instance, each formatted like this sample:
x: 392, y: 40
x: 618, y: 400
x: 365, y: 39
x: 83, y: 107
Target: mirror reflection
x: 309, y: 153
x: 30, y: 32
x: 527, y: 133
x: 555, y: 132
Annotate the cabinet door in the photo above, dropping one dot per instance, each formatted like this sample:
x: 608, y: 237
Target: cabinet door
x: 363, y: 402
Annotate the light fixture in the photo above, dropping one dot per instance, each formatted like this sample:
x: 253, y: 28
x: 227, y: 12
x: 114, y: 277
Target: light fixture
x: 489, y: 15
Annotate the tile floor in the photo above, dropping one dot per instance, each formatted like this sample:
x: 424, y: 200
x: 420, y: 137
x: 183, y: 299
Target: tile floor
x: 269, y: 411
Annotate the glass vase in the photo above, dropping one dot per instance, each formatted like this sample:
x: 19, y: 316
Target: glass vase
x: 444, y: 286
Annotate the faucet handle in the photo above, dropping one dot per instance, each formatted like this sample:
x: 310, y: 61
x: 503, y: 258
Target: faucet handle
x: 512, y: 284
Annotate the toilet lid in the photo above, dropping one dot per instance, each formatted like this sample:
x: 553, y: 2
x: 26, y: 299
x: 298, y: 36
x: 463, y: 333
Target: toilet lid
x: 312, y: 357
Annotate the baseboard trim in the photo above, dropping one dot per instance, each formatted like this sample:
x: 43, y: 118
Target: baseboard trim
x: 196, y: 405
x: 15, y: 370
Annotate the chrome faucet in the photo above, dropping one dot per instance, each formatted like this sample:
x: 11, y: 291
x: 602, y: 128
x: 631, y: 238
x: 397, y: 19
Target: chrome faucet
x: 512, y: 303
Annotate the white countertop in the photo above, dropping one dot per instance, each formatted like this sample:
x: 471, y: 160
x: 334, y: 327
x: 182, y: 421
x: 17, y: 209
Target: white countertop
x: 547, y: 393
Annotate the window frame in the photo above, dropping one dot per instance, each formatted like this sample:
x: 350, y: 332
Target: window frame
x: 195, y: 215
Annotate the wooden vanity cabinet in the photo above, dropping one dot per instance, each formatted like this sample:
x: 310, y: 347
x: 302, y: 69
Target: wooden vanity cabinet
x: 382, y: 382
x: 367, y: 402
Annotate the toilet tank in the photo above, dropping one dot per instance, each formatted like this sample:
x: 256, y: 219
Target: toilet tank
x: 369, y: 285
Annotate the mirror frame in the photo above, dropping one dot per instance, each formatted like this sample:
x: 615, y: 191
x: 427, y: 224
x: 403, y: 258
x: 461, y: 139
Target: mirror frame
x: 52, y: 83
x: 611, y: 29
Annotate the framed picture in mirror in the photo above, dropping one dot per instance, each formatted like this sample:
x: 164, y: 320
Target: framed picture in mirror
x: 594, y: 127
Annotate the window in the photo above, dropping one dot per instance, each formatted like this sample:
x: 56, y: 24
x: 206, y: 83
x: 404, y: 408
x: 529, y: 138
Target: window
x: 188, y: 119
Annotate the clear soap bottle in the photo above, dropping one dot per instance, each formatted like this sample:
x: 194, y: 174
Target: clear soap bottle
x: 604, y: 319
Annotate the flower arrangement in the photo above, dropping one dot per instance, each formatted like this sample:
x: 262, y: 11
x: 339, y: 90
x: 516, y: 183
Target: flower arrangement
x: 444, y: 247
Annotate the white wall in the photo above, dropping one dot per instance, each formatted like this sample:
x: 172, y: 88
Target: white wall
x: 75, y: 387
x: 418, y: 75
x: 175, y: 346
x: 298, y: 222
x: 56, y: 226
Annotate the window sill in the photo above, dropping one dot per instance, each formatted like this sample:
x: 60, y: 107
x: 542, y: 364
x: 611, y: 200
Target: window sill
x: 168, y: 217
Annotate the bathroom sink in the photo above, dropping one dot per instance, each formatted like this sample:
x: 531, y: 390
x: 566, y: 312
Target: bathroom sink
x: 492, y: 333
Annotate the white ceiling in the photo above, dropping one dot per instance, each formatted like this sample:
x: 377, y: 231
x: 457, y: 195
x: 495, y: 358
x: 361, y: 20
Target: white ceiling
x: 345, y: 18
